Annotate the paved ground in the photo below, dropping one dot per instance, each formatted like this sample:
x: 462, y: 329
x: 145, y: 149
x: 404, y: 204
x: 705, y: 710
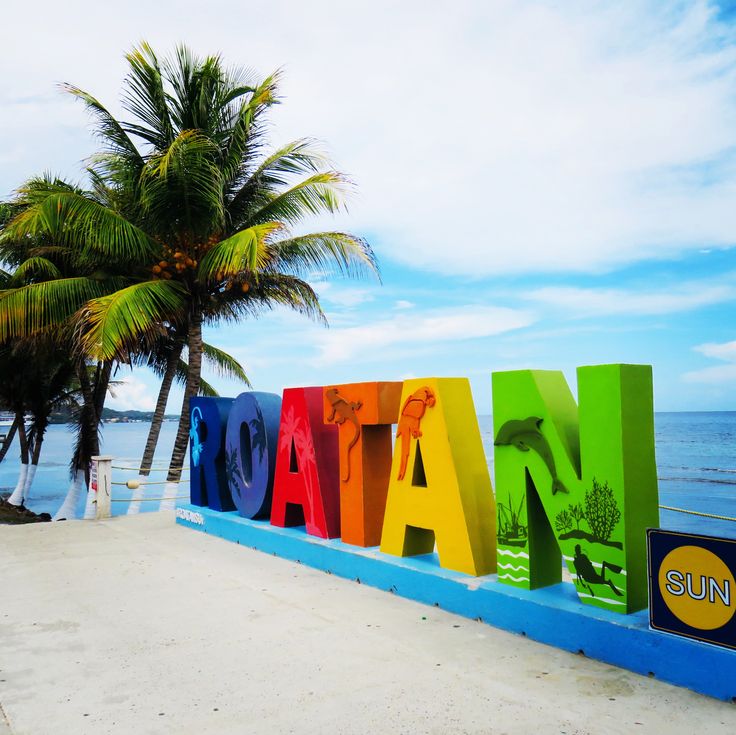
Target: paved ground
x: 135, y: 625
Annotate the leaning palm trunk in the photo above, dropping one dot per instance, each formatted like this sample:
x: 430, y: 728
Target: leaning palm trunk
x: 9, y: 437
x: 192, y: 388
x: 160, y: 411
x: 156, y: 423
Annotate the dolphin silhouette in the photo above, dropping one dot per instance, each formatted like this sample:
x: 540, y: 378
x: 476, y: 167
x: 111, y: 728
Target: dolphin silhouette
x: 525, y: 435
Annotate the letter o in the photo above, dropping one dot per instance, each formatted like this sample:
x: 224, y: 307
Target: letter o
x: 250, y: 452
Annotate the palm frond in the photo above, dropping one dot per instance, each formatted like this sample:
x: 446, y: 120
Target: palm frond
x: 108, y: 129
x: 318, y: 194
x: 270, y: 290
x: 146, y: 99
x: 72, y: 219
x: 182, y: 185
x: 244, y: 132
x: 327, y: 252
x: 35, y: 268
x: 244, y: 251
x: 224, y: 365
x: 298, y: 158
x: 205, y: 388
x: 119, y: 321
x: 28, y: 309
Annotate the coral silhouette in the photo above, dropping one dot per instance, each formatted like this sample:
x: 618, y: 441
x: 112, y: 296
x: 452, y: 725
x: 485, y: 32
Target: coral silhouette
x: 599, y: 510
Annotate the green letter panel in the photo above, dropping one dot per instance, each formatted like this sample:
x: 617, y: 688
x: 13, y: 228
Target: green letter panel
x: 577, y: 482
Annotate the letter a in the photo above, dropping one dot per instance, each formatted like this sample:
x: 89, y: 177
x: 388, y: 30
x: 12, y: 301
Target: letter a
x: 440, y: 488
x: 305, y: 487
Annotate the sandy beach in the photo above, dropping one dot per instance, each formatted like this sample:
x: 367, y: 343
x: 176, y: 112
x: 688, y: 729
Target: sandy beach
x: 137, y: 625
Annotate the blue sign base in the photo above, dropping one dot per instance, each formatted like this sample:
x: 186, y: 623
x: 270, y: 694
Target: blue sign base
x: 552, y: 615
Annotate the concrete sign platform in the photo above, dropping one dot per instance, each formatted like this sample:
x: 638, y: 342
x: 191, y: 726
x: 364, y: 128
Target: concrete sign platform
x: 552, y: 615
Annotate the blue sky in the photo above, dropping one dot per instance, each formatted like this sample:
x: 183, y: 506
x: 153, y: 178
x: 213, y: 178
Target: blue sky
x: 545, y: 186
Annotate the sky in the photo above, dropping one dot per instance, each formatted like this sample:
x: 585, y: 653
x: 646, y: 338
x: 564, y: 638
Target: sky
x: 546, y: 185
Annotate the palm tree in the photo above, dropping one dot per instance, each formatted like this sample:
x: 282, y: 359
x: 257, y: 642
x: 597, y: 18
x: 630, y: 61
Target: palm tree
x: 54, y: 271
x: 56, y: 268
x: 193, y: 227
x: 51, y: 385
x: 37, y: 378
x: 220, y: 207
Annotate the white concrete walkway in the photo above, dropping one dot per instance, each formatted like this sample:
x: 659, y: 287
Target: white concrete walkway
x: 135, y: 625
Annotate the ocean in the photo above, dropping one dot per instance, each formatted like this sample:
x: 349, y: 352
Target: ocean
x: 696, y: 463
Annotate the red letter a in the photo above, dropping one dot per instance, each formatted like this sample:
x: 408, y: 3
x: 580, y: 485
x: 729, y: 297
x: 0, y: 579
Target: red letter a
x: 306, y: 483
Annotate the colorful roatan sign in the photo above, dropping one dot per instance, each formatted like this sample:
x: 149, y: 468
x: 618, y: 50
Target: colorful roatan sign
x: 572, y: 483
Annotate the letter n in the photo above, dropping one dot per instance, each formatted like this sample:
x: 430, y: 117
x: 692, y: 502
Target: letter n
x: 363, y: 413
x: 208, y: 481
x: 305, y: 488
x: 577, y: 482
x: 440, y: 488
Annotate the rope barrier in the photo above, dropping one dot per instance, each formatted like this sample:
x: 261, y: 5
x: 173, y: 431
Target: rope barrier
x: 150, y: 469
x: 149, y: 500
x: 698, y: 513
x: 134, y: 484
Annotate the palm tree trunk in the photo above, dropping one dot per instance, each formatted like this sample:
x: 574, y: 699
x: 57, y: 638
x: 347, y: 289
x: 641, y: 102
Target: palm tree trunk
x: 172, y: 364
x: 87, y: 445
x: 102, y: 381
x: 192, y: 388
x: 158, y: 414
x: 68, y: 509
x: 39, y: 432
x: 9, y: 438
x: 17, y: 496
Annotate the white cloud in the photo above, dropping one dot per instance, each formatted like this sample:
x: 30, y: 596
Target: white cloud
x: 590, y: 302
x: 725, y: 351
x: 714, y: 374
x: 345, y: 296
x: 486, y: 138
x: 403, y: 304
x: 408, y: 331
x: 131, y: 394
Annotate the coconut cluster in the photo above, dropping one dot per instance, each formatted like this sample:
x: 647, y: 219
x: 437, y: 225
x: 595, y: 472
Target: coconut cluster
x: 176, y: 264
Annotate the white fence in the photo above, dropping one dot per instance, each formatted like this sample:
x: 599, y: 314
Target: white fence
x: 110, y: 474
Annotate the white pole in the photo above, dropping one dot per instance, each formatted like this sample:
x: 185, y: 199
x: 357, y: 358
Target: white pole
x: 100, y: 483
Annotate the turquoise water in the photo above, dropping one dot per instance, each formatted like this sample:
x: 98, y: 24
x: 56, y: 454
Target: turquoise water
x: 696, y: 460
x: 123, y: 441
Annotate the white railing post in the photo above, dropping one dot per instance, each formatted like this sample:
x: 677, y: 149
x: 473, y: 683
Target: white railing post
x: 100, y: 483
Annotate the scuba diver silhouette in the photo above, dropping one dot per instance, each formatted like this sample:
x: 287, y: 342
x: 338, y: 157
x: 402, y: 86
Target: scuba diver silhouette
x: 587, y: 574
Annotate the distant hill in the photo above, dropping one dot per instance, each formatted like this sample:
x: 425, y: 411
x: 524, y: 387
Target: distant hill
x: 112, y: 416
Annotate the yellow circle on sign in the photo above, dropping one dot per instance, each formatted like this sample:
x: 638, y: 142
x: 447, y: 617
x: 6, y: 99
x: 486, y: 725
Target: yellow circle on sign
x: 697, y: 587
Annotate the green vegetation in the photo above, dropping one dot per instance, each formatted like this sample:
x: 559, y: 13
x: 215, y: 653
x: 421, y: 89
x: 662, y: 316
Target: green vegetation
x: 187, y: 220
